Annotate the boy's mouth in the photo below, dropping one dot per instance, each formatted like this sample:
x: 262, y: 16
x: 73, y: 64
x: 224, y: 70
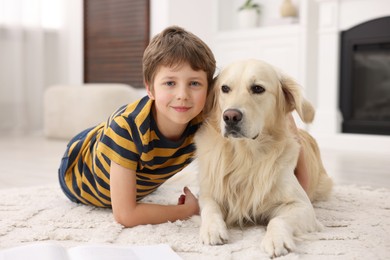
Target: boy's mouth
x: 181, y: 108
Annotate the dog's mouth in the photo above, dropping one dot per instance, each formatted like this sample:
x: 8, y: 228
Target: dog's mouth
x: 235, y: 132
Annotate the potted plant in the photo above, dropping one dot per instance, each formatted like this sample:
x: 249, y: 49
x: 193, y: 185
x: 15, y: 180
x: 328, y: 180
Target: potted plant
x: 248, y: 14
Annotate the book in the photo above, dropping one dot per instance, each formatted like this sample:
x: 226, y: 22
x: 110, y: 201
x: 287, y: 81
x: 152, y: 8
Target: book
x: 54, y: 251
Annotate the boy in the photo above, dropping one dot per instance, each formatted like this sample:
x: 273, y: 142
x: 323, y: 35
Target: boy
x: 118, y: 162
x: 142, y: 144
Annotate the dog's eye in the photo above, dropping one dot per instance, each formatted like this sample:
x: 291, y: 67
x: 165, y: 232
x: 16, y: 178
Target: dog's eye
x: 225, y: 89
x: 257, y: 89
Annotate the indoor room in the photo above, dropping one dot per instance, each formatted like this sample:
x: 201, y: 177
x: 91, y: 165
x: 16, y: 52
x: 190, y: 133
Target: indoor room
x: 67, y: 65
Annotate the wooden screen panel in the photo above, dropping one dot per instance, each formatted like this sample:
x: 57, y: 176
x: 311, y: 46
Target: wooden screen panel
x: 116, y: 33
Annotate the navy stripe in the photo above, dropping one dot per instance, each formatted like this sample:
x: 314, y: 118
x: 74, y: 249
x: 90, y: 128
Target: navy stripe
x: 106, y: 159
x: 93, y: 179
x: 163, y: 142
x: 100, y: 166
x: 122, y: 132
x: 80, y: 165
x: 158, y: 160
x: 102, y: 195
x: 75, y: 152
x: 119, y: 149
x: 87, y: 190
x: 140, y: 106
x: 145, y: 125
x: 136, y: 138
x: 139, y: 197
x: 147, y: 190
x: 194, y: 128
x: 89, y: 176
x: 146, y: 183
x: 165, y: 170
x: 76, y: 188
x: 119, y: 111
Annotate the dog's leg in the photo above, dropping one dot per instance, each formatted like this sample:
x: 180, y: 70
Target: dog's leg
x: 278, y: 240
x: 290, y: 219
x: 213, y: 230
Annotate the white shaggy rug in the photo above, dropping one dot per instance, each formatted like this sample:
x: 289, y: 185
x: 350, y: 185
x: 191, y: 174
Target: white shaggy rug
x: 356, y: 220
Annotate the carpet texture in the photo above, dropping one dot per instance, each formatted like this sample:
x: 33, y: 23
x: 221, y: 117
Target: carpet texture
x: 356, y: 220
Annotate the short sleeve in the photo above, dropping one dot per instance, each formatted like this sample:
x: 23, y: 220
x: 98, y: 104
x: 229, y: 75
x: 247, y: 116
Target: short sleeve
x: 117, y: 144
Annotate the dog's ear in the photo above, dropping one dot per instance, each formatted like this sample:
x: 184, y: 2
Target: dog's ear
x: 295, y: 100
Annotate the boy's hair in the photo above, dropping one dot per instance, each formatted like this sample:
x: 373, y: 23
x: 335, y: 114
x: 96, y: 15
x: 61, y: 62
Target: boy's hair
x: 174, y: 46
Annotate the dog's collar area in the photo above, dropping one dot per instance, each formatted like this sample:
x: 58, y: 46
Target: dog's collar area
x: 235, y: 134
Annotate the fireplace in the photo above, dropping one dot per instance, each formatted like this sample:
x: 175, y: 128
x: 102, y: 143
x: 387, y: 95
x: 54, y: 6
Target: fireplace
x: 364, y: 86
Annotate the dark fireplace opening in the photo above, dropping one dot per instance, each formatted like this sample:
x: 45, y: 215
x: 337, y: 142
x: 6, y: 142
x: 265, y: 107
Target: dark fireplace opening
x: 364, y: 89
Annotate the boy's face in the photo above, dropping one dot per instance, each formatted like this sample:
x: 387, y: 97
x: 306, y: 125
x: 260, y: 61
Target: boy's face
x: 179, y: 94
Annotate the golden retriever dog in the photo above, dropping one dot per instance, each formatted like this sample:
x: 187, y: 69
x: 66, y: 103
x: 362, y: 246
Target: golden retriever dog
x: 247, y: 153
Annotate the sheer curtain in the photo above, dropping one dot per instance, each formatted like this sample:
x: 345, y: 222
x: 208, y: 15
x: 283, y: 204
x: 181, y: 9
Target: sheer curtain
x: 40, y: 45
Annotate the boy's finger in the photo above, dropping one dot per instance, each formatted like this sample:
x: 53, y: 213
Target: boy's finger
x: 186, y: 190
x: 181, y: 199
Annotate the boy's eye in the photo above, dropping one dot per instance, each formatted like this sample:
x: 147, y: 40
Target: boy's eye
x: 170, y: 83
x: 195, y: 83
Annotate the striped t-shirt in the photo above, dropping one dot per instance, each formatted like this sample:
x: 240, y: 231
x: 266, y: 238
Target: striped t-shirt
x: 130, y: 137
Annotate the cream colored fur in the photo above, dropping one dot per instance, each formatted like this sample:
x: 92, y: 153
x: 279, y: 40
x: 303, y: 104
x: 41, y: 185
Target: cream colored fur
x: 249, y: 177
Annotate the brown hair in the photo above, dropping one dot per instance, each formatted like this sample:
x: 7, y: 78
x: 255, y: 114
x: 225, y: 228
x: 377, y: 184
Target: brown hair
x: 174, y: 46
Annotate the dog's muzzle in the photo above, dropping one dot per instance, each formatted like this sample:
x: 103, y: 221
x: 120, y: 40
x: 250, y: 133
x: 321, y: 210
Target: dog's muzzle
x: 233, y: 124
x: 232, y: 119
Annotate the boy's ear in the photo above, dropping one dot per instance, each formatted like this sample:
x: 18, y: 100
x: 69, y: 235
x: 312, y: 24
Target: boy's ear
x: 149, y: 91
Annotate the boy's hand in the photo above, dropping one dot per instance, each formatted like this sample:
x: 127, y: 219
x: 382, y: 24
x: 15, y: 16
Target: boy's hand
x: 181, y: 200
x: 190, y: 200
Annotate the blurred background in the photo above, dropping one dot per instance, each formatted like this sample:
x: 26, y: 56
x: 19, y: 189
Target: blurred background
x: 338, y: 50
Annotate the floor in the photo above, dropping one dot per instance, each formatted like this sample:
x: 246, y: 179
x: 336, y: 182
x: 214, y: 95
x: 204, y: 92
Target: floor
x: 33, y: 160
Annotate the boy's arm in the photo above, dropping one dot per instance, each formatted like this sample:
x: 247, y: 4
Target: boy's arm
x: 129, y: 213
x: 301, y: 170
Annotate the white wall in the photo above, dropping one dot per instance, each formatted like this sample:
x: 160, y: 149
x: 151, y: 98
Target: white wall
x: 195, y: 16
x: 75, y: 35
x: 41, y: 44
x: 310, y: 54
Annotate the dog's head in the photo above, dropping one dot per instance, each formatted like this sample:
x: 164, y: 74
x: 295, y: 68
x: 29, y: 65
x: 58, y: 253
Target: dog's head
x: 251, y: 98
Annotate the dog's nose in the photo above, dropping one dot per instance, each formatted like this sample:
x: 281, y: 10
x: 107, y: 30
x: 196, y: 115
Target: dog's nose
x: 232, y: 116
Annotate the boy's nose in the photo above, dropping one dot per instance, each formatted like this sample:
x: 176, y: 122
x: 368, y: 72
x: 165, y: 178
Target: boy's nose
x: 182, y: 93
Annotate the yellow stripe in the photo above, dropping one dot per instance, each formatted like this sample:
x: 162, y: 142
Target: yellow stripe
x: 69, y: 184
x: 90, y: 199
x: 155, y: 182
x: 143, y: 194
x: 105, y: 192
x: 116, y: 157
x: 143, y: 114
x: 149, y: 136
x: 106, y: 167
x: 165, y: 152
x: 170, y: 162
x: 119, y: 140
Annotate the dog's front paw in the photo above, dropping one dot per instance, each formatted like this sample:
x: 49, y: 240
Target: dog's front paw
x: 278, y: 240
x: 276, y: 245
x: 213, y: 231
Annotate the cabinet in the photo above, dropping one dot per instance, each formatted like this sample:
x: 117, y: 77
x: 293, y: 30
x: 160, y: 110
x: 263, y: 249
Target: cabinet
x: 116, y: 32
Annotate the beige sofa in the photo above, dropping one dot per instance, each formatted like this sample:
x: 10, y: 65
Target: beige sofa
x: 69, y: 109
